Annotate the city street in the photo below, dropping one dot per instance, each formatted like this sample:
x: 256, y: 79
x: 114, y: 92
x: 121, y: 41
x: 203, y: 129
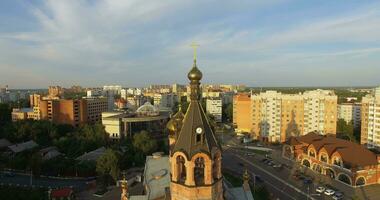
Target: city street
x: 281, y: 189
x: 25, y: 181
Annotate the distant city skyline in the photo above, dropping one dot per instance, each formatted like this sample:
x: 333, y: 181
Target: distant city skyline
x: 137, y: 43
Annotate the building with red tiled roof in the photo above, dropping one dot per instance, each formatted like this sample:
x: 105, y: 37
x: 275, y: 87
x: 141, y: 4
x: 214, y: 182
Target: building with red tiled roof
x: 339, y: 159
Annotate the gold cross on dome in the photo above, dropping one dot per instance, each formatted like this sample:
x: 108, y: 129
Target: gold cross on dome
x: 195, y: 46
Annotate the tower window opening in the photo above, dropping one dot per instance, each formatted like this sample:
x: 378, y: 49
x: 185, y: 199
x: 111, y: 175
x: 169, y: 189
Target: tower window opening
x: 181, y: 169
x: 199, y: 138
x: 199, y: 171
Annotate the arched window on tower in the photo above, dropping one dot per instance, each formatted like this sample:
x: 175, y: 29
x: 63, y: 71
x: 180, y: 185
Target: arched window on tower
x: 199, y: 171
x: 181, y: 169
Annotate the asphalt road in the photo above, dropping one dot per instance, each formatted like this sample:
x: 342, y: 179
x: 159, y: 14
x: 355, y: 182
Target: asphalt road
x: 24, y: 181
x: 278, y: 183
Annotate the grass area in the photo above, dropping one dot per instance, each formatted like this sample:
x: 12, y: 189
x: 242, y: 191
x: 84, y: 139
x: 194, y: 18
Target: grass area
x: 234, y: 180
x: 17, y: 193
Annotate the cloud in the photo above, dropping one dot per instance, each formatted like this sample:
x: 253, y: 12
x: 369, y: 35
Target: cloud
x: 135, y: 43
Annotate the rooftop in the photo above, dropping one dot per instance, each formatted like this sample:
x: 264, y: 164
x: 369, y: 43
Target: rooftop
x: 157, y: 176
x: 92, y: 155
x: 16, y: 148
x: 351, y: 153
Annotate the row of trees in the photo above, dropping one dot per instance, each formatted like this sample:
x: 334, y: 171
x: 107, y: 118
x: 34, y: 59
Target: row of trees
x: 113, y: 161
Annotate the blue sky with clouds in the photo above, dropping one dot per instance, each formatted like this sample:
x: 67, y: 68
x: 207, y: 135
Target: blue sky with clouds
x: 140, y: 42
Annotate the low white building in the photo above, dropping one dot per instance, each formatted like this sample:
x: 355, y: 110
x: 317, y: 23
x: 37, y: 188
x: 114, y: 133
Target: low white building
x: 214, y: 107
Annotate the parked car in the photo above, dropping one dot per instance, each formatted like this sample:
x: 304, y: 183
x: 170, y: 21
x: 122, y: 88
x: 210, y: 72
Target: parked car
x: 258, y: 178
x: 277, y: 166
x: 329, y: 192
x: 264, y: 159
x: 270, y: 163
x: 251, y: 154
x: 307, y: 181
x: 259, y: 145
x: 320, y: 189
x: 338, y: 196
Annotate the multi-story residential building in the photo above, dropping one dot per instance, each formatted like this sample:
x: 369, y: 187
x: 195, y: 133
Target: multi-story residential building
x: 114, y: 89
x: 214, y: 107
x: 350, y: 112
x: 275, y: 116
x: 94, y: 92
x: 165, y: 100
x: 94, y: 108
x: 124, y: 93
x: 136, y: 101
x: 73, y: 111
x: 34, y: 100
x: 370, y: 123
x: 242, y: 117
x: 320, y: 114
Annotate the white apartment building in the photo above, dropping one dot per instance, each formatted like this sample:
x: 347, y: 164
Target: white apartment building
x: 270, y: 114
x: 165, y: 100
x: 350, y: 112
x: 214, y: 107
x: 370, y: 114
x: 315, y: 115
x: 115, y: 89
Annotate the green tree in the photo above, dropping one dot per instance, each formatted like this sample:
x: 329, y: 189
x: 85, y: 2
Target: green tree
x: 144, y: 142
x: 227, y: 112
x: 345, y: 130
x: 5, y: 113
x: 108, y: 164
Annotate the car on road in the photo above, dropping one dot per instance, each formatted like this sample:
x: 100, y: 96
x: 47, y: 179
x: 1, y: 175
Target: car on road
x: 277, y: 166
x: 338, y: 196
x: 270, y: 163
x: 258, y: 178
x: 320, y: 189
x: 329, y: 192
x: 307, y: 181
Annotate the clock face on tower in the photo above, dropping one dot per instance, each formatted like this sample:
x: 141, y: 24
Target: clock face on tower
x: 198, y: 130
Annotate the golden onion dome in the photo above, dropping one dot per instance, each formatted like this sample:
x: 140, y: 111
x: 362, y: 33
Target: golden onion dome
x: 175, y: 121
x: 195, y: 74
x: 171, y: 125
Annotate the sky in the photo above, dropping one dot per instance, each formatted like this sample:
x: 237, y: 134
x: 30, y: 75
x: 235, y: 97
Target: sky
x: 135, y: 43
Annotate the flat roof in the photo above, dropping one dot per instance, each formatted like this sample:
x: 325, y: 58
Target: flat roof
x: 156, y: 176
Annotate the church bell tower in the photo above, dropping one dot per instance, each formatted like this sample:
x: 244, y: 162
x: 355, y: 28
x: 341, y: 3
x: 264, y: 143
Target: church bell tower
x: 195, y: 156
